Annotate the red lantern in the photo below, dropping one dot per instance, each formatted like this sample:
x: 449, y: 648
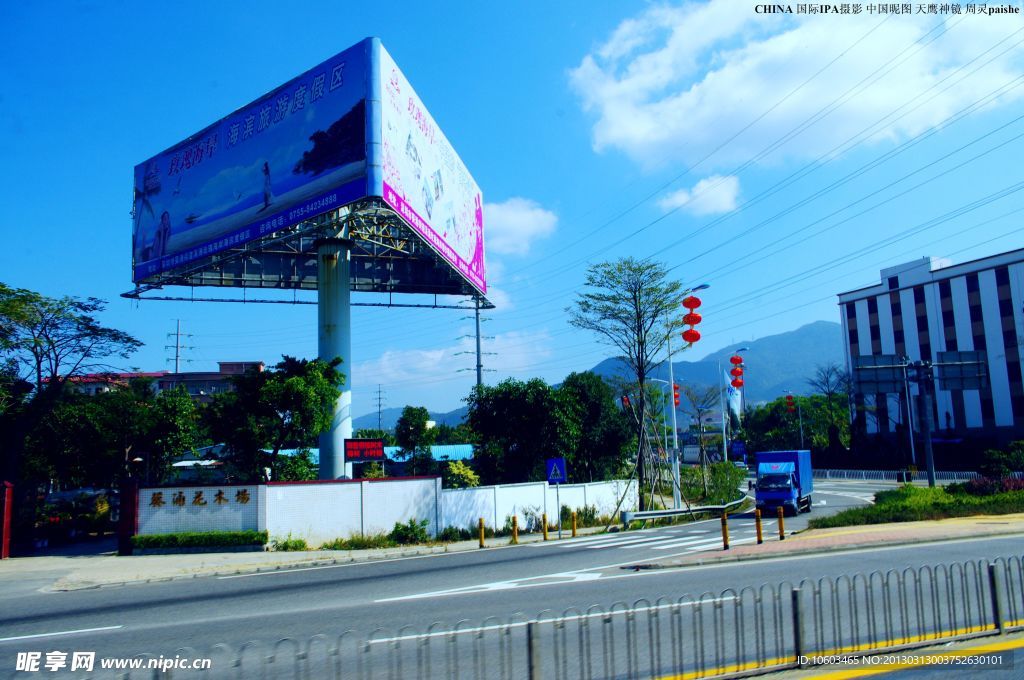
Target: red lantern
x: 736, y: 372
x: 692, y: 302
x: 737, y: 383
x: 675, y: 394
x: 691, y: 335
x: 692, y: 319
x: 736, y: 360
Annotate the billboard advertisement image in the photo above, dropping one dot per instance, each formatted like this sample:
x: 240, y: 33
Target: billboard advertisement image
x: 425, y: 181
x: 296, y: 152
x: 347, y: 129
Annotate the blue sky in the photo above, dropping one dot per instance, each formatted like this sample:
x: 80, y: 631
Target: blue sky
x: 780, y: 158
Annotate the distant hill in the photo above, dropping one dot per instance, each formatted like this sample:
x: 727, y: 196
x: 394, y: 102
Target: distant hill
x: 774, y: 364
x: 390, y: 416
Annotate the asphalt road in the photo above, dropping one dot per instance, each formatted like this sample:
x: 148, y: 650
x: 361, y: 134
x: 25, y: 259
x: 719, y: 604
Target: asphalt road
x: 406, y: 596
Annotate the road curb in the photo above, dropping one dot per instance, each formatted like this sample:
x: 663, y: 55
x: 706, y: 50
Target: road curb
x: 850, y: 547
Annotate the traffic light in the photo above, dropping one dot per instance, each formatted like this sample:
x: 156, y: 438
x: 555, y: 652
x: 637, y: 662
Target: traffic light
x: 675, y: 394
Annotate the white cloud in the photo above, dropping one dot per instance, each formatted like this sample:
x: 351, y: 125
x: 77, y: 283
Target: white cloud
x: 674, y: 83
x: 513, y: 226
x: 710, y: 196
x: 514, y: 351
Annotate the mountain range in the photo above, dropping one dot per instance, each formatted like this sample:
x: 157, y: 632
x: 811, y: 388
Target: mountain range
x: 772, y: 365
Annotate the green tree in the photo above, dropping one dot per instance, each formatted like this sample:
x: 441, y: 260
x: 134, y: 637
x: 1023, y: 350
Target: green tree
x: 631, y: 305
x: 369, y: 433
x: 172, y: 429
x: 298, y: 467
x: 518, y: 424
x: 460, y: 434
x: 457, y: 475
x: 45, y: 342
x: 285, y: 407
x: 53, y: 339
x: 415, y: 439
x: 833, y: 383
x: 605, y: 436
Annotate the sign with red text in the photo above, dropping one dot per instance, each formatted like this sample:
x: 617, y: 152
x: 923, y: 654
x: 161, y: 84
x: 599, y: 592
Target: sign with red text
x: 364, y: 450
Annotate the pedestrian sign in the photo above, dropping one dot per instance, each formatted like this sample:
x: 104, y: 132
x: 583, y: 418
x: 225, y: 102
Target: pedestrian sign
x: 556, y: 470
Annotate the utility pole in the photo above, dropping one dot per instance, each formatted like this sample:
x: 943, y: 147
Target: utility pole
x: 923, y: 375
x: 677, y: 501
x: 380, y: 405
x: 479, y: 357
x: 177, y: 346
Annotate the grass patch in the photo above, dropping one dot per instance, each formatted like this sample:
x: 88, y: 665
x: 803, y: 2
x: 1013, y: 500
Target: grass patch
x: 200, y: 539
x: 912, y: 504
x: 367, y: 542
x: 290, y: 544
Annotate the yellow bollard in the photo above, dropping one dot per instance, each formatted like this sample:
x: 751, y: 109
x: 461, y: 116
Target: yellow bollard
x: 725, y: 531
x: 481, y: 532
x: 544, y: 523
x: 757, y: 522
x: 515, y: 529
x: 574, y: 525
x: 782, y: 524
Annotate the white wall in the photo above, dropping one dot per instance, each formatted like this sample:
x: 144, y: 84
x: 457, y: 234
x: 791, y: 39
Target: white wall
x: 316, y: 512
x: 322, y: 511
x: 199, y: 508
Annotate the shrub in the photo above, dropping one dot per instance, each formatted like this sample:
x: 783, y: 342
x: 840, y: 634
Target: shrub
x: 200, y: 539
x: 411, y: 532
x: 453, y: 534
x: 910, y: 504
x: 290, y: 544
x: 367, y: 542
x: 999, y: 464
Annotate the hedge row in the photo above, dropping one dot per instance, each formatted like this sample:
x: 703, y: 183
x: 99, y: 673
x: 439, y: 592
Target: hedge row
x: 200, y: 539
x: 913, y: 504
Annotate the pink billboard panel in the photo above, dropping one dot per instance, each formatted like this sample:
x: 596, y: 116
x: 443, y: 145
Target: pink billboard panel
x: 425, y: 181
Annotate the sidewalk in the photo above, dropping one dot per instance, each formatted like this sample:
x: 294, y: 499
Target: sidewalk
x: 852, y: 538
x: 76, y: 572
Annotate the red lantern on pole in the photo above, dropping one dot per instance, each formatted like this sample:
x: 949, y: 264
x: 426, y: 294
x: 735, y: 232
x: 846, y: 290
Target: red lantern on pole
x: 737, y: 383
x: 790, y: 403
x: 736, y: 360
x: 692, y: 302
x: 692, y: 319
x: 691, y: 335
x: 736, y: 372
x: 675, y: 394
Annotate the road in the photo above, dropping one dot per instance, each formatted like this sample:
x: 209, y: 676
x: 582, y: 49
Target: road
x: 406, y: 596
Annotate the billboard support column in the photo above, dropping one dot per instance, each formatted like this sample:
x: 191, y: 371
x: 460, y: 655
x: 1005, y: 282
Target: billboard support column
x: 334, y: 328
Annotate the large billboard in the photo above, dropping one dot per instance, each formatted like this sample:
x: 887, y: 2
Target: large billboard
x: 424, y: 179
x: 349, y: 128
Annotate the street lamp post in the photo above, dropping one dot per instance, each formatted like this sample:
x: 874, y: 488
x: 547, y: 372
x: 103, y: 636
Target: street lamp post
x: 722, y: 403
x: 790, y: 402
x: 677, y: 500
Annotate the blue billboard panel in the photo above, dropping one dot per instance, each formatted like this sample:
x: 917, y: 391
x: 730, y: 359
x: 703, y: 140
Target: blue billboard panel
x: 297, y: 152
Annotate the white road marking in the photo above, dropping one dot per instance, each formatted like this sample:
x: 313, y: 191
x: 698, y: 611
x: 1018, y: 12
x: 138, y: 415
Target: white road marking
x: 63, y: 632
x: 692, y: 541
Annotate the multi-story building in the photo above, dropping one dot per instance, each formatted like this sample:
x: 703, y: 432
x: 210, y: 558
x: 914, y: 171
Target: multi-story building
x: 932, y: 305
x: 202, y: 385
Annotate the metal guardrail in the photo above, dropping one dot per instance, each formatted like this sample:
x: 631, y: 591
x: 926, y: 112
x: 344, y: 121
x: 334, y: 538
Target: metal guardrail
x: 631, y: 515
x: 895, y: 475
x: 725, y: 634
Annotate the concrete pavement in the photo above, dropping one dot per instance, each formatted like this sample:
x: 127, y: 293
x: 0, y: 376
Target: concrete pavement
x: 77, y: 572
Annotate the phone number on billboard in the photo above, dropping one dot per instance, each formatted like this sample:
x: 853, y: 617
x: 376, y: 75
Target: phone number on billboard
x: 313, y: 208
